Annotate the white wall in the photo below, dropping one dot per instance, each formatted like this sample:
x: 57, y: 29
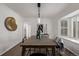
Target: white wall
x: 8, y: 39
x: 50, y: 27
x: 33, y: 23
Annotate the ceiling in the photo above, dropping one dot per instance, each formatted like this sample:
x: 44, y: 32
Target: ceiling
x: 47, y: 10
x: 31, y: 9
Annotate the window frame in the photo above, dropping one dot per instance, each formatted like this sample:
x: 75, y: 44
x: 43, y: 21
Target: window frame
x: 70, y: 27
x: 62, y: 27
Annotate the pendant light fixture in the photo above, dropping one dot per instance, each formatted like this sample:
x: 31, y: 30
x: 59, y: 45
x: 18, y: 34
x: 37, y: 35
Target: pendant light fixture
x: 38, y: 5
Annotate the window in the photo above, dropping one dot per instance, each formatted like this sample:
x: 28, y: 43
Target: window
x: 73, y: 25
x: 74, y: 29
x: 78, y: 29
x: 70, y: 27
x: 26, y: 30
x: 64, y: 28
x: 77, y: 26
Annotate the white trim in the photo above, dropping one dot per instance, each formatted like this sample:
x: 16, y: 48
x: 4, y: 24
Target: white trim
x: 70, y: 14
x: 9, y: 48
x: 76, y: 28
x: 73, y: 52
x: 59, y: 27
x: 70, y: 39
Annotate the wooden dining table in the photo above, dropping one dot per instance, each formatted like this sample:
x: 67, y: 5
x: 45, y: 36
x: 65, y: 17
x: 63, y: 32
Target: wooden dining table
x: 44, y: 43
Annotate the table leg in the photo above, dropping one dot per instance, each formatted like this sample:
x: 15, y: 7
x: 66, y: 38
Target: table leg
x: 53, y: 51
x: 34, y: 50
x: 39, y: 49
x: 30, y: 51
x: 23, y: 51
x: 46, y: 51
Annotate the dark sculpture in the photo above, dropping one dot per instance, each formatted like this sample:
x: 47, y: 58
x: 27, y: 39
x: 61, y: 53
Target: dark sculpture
x: 39, y: 31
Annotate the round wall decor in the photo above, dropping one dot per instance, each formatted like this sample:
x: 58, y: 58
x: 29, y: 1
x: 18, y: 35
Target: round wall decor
x: 10, y: 24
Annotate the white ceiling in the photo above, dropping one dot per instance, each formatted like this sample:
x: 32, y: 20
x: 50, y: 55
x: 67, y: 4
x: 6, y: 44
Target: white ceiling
x: 31, y: 9
x: 50, y: 10
x: 24, y: 9
x: 47, y: 10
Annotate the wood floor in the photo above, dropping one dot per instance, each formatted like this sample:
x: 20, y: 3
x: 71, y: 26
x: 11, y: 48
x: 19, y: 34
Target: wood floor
x: 16, y: 51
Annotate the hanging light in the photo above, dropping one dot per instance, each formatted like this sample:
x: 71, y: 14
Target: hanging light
x: 38, y: 5
x: 38, y: 20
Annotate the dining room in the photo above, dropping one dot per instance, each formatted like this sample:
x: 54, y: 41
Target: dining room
x: 39, y: 29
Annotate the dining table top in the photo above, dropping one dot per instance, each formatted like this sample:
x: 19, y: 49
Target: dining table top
x: 38, y: 42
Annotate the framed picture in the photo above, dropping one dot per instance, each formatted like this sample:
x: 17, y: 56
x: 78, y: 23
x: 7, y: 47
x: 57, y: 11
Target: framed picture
x: 10, y: 24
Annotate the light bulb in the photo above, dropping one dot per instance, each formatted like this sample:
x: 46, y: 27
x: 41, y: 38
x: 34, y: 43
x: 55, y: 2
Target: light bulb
x: 38, y: 20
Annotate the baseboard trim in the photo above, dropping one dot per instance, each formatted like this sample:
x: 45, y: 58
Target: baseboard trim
x: 72, y: 52
x: 2, y: 54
